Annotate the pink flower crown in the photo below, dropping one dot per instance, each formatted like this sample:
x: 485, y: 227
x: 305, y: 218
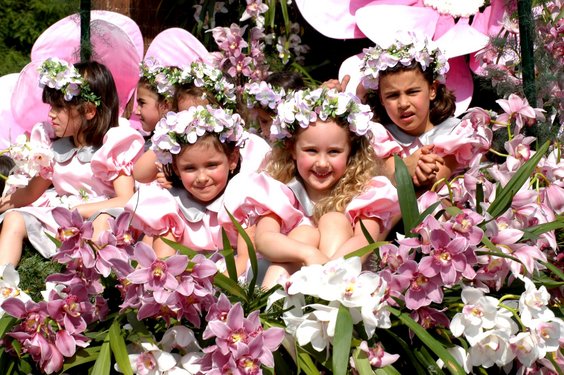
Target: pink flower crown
x: 60, y: 75
x: 263, y: 94
x: 406, y: 49
x: 186, y: 127
x: 303, y: 107
x: 161, y: 78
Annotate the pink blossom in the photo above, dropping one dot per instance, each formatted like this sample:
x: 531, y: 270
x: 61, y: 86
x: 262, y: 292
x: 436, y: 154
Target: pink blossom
x: 517, y: 109
x: 377, y: 356
x: 422, y: 290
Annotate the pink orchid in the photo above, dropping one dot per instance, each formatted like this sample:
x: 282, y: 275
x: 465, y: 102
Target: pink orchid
x: 377, y: 356
x: 75, y: 235
x: 422, y: 290
x: 553, y: 195
x: 518, y: 109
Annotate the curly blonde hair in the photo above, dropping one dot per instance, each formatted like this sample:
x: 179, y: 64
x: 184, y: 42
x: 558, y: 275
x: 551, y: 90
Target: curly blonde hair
x: 362, y: 165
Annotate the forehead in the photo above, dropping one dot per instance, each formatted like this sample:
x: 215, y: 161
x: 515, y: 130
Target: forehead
x: 145, y: 93
x: 200, y: 152
x: 324, y: 132
x: 402, y: 78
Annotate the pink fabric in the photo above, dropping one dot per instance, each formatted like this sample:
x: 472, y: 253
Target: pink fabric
x: 129, y: 27
x: 177, y: 47
x: 253, y: 153
x: 459, y: 80
x: 27, y: 106
x: 258, y: 195
x: 465, y: 142
x: 378, y: 201
x: 383, y: 143
x: 9, y: 128
x: 122, y: 147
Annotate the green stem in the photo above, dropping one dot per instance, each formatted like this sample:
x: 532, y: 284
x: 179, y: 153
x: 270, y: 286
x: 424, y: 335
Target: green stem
x: 515, y: 314
x: 497, y: 153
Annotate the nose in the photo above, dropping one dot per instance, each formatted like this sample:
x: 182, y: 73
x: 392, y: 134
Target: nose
x: 322, y: 161
x: 201, y: 177
x: 51, y: 113
x: 137, y: 110
x: 403, y: 102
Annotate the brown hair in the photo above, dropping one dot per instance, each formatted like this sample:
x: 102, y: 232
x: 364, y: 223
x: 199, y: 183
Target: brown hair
x: 440, y: 108
x: 102, y: 84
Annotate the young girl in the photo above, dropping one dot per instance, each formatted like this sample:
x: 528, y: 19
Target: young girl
x: 91, y: 157
x: 199, y: 150
x: 416, y: 109
x: 326, y: 169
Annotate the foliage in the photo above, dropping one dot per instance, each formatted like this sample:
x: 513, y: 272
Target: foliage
x: 21, y: 22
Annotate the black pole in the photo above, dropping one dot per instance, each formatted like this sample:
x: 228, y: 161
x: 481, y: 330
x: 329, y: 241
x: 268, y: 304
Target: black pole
x: 85, y: 46
x: 526, y: 32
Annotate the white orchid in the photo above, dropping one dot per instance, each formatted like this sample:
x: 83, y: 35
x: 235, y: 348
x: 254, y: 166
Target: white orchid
x: 491, y: 348
x: 533, y: 303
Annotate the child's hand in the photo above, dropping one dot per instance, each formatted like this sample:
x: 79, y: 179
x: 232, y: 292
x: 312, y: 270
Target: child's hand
x: 336, y: 84
x: 427, y: 168
x: 161, y: 178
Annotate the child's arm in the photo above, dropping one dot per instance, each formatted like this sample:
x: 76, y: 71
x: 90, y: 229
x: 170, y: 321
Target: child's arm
x: 26, y: 195
x: 242, y: 258
x: 124, y: 187
x: 358, y: 239
x: 445, y: 166
x: 145, y: 168
x: 280, y: 248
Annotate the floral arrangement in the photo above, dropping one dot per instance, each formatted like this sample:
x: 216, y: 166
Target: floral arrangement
x: 161, y: 78
x: 60, y: 75
x: 185, y: 127
x: 407, y: 47
x: 472, y: 284
x: 455, y: 8
x: 262, y: 93
x: 303, y: 107
x: 212, y: 79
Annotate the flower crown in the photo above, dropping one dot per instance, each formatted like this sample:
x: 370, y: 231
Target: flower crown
x: 303, y: 107
x: 161, y: 78
x: 263, y: 94
x: 186, y: 127
x: 212, y: 79
x: 60, y: 75
x: 406, y: 48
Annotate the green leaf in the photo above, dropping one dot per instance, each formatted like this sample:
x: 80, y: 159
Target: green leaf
x: 531, y: 233
x: 406, y: 196
x: 180, y: 248
x: 366, y: 249
x: 104, y: 360
x: 437, y: 348
x: 553, y: 268
x: 252, y: 253
x: 479, y: 197
x: 342, y: 341
x: 6, y: 323
x: 425, y: 213
x: 366, y: 233
x: 428, y: 361
x: 361, y: 363
x: 117, y: 344
x: 305, y: 362
x: 408, y: 350
x: 504, y: 196
x: 231, y: 287
x: 388, y: 370
x: 81, y: 357
x: 228, y: 255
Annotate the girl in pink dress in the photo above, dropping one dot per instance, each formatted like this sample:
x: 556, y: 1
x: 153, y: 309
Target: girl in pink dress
x: 199, y: 150
x: 91, y: 161
x: 324, y: 169
x: 406, y: 82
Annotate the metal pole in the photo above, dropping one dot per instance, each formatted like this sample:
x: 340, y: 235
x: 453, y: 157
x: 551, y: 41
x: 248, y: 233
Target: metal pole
x: 526, y: 32
x: 85, y: 46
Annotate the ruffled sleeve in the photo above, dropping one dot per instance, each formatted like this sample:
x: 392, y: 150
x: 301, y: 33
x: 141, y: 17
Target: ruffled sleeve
x: 40, y: 139
x: 122, y: 147
x: 463, y: 141
x: 253, y: 153
x: 248, y: 197
x: 383, y: 143
x: 379, y: 201
x: 155, y: 211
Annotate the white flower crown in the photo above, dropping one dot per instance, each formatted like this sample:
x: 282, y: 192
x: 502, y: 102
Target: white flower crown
x: 406, y: 49
x: 60, y: 75
x: 303, y: 107
x: 162, y: 78
x: 185, y: 127
x: 263, y: 94
x: 211, y: 79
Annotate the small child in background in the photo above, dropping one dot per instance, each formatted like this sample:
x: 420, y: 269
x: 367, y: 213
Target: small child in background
x: 199, y: 151
x: 406, y: 82
x: 262, y: 98
x: 6, y: 166
x: 90, y: 161
x: 320, y: 182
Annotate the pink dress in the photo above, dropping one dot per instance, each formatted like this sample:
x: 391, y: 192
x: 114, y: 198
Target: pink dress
x: 290, y: 202
x: 451, y: 137
x: 253, y: 153
x: 157, y: 211
x: 79, y: 175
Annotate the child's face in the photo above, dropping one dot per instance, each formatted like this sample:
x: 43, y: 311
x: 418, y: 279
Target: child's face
x: 149, y: 109
x: 265, y: 121
x: 321, y: 153
x: 204, y: 170
x: 66, y: 122
x: 406, y: 96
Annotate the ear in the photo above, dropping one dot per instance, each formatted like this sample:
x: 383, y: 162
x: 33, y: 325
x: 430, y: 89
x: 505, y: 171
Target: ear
x: 234, y: 159
x: 90, y: 111
x: 433, y: 90
x: 165, y: 106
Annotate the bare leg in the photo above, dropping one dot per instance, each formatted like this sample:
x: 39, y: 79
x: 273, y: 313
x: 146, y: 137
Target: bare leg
x: 161, y: 248
x: 277, y: 272
x: 11, y: 238
x: 335, y: 229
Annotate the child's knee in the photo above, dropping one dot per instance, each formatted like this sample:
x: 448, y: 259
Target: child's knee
x: 333, y: 220
x: 14, y: 223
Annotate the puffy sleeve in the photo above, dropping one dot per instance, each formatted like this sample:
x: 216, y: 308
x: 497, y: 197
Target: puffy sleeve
x: 379, y: 201
x: 253, y: 153
x: 383, y: 143
x: 40, y: 140
x: 463, y: 141
x: 155, y: 211
x: 122, y: 147
x: 248, y: 197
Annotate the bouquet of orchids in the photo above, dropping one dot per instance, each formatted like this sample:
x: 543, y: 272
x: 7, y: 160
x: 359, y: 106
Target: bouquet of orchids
x: 471, y: 284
